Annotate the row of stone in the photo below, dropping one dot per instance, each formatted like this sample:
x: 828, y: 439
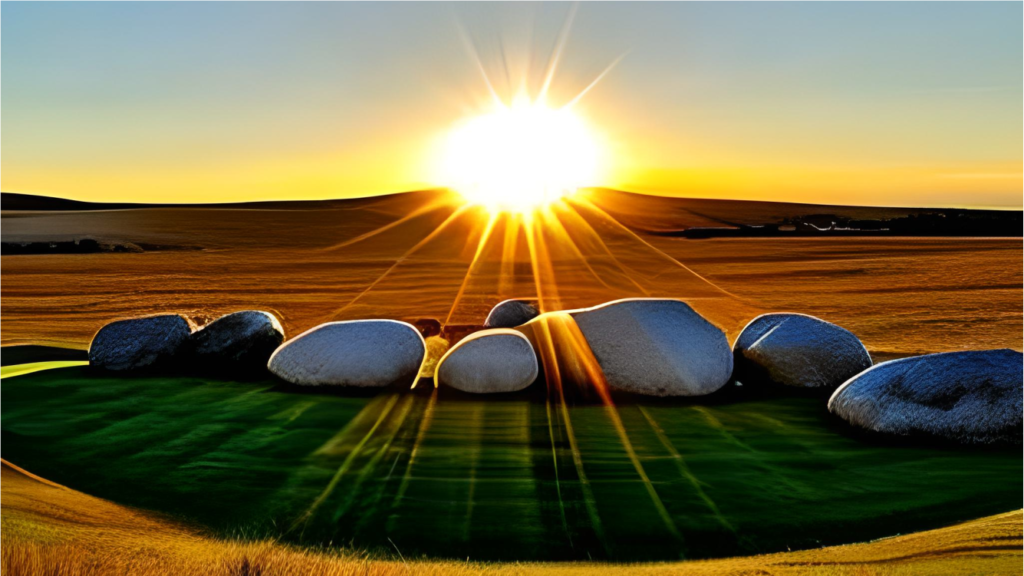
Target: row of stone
x: 239, y: 341
x: 643, y: 346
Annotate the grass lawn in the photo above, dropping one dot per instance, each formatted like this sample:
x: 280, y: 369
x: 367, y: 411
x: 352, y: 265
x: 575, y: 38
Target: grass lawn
x: 510, y: 478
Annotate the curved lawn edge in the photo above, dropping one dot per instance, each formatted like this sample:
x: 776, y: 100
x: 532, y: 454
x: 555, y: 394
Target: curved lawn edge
x: 22, y: 369
x: 47, y: 526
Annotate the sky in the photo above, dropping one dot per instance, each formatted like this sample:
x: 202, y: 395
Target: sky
x: 909, y: 104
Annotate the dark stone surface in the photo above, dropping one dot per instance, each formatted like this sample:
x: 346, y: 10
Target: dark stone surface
x: 240, y: 340
x: 512, y: 313
x: 139, y: 343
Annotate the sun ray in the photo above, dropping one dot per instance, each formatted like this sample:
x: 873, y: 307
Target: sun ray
x: 597, y: 379
x: 451, y: 218
x: 595, y: 208
x: 371, y: 465
x: 684, y: 470
x: 554, y: 463
x: 507, y: 270
x: 594, y: 82
x: 563, y: 39
x: 475, y: 54
x: 429, y: 207
x: 547, y: 292
x: 428, y: 415
x: 480, y: 248
x: 550, y: 358
x: 555, y: 225
x: 587, y: 228
x: 476, y: 425
x: 345, y: 466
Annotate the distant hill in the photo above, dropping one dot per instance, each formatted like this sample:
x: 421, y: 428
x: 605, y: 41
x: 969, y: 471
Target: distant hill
x: 15, y: 201
x: 706, y: 218
x: 656, y: 215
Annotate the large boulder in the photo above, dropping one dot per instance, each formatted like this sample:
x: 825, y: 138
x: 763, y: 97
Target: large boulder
x: 966, y: 397
x: 512, y: 313
x: 137, y: 343
x: 489, y: 361
x: 240, y: 340
x: 656, y: 347
x: 798, y: 350
x: 360, y: 353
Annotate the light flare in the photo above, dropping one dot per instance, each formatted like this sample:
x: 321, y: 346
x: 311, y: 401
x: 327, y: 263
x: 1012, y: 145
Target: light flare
x: 520, y: 157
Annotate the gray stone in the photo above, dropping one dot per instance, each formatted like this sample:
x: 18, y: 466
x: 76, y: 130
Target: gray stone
x: 489, y: 361
x: 656, y: 347
x: 512, y: 313
x: 243, y: 339
x: 965, y: 397
x: 140, y: 342
x: 798, y: 350
x: 360, y: 353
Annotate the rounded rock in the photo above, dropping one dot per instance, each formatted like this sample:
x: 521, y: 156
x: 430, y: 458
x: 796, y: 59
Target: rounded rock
x: 963, y: 397
x: 798, y: 350
x: 512, y: 313
x: 359, y: 353
x: 656, y: 347
x: 138, y: 343
x: 489, y: 361
x: 243, y: 339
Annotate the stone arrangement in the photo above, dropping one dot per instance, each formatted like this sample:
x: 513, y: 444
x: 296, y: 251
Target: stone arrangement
x: 647, y: 346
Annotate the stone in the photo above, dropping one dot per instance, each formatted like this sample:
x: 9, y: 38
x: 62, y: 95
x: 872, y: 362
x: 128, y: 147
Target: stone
x: 797, y: 350
x: 656, y: 347
x: 963, y: 397
x: 490, y: 361
x: 358, y: 353
x: 243, y: 340
x: 138, y: 343
x: 512, y: 313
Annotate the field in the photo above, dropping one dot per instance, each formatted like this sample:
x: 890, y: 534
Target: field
x: 516, y: 478
x: 232, y: 466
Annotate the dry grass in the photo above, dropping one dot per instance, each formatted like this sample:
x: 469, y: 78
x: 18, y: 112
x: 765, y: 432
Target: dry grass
x: 52, y: 530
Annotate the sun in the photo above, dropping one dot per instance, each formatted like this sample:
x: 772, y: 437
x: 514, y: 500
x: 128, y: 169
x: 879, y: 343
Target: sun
x: 520, y: 157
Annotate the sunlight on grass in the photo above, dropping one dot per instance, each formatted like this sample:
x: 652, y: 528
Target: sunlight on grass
x: 22, y: 369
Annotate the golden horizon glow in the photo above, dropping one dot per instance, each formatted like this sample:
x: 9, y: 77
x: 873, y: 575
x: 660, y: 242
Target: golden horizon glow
x: 521, y: 157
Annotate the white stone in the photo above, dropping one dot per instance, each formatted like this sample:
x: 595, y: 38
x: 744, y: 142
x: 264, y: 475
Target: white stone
x: 359, y: 353
x: 657, y: 347
x: 489, y: 361
x: 966, y: 397
x: 797, y: 350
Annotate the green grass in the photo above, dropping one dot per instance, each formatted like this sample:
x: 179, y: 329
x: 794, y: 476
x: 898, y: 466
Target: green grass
x: 509, y: 478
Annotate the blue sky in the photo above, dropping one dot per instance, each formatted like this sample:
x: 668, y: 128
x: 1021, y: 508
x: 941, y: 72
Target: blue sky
x: 867, y: 103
